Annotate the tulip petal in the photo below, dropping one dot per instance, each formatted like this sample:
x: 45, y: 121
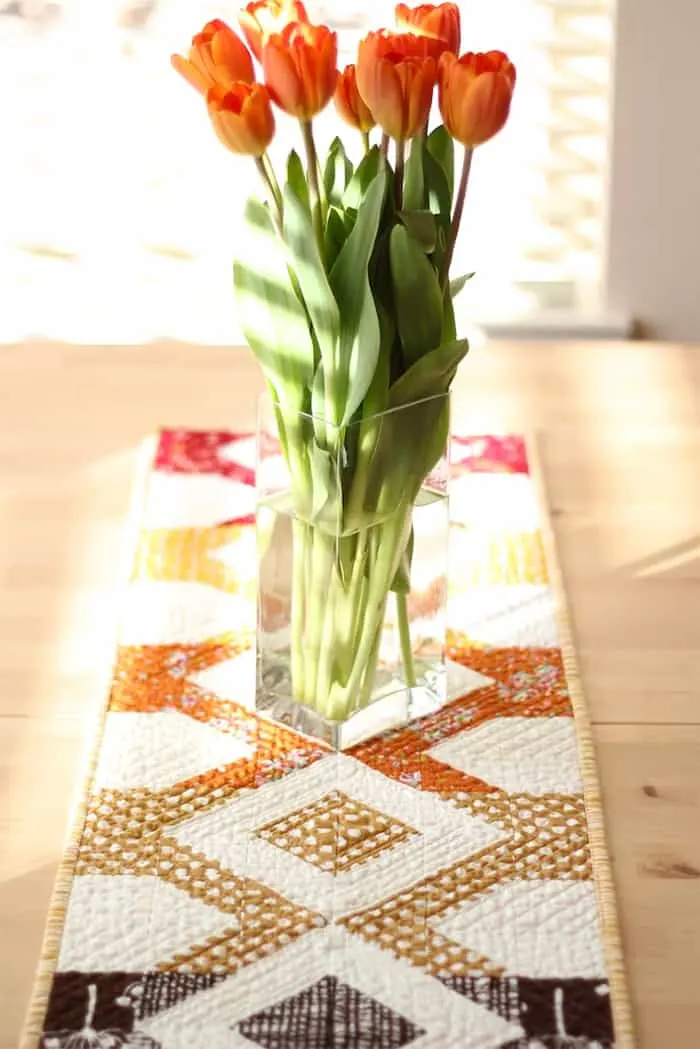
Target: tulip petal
x: 252, y: 32
x: 395, y: 79
x: 258, y: 112
x: 490, y: 99
x: 475, y: 93
x: 300, y: 67
x: 307, y: 63
x: 230, y: 54
x: 439, y: 24
x: 215, y: 25
x: 242, y: 117
x: 402, y: 13
x: 191, y: 74
x: 349, y: 103
x: 420, y: 97
x: 329, y: 67
x: 366, y: 62
x: 281, y: 76
x: 390, y: 99
x: 261, y: 19
x: 201, y: 57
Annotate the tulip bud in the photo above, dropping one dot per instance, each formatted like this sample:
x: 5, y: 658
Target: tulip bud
x: 439, y: 23
x: 475, y: 93
x: 301, y: 68
x: 260, y: 19
x: 395, y: 78
x: 217, y: 57
x: 349, y: 104
x: 242, y: 117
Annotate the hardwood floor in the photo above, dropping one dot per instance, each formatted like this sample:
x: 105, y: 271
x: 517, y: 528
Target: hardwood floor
x: 619, y: 432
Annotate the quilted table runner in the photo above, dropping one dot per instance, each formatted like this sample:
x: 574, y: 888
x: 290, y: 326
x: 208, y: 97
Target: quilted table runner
x: 233, y: 885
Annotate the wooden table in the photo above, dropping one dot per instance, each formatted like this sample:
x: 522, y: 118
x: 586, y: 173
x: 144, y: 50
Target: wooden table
x: 619, y: 429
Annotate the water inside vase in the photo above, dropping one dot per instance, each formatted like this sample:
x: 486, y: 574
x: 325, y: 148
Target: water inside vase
x: 315, y: 566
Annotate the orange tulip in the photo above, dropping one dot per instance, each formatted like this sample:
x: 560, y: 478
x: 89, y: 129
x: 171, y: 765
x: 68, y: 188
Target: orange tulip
x: 217, y: 57
x: 242, y: 117
x: 349, y: 104
x: 262, y: 18
x: 475, y: 92
x: 301, y: 68
x: 395, y: 77
x: 440, y: 23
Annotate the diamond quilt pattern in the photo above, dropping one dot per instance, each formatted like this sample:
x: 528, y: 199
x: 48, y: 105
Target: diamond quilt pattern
x: 237, y: 885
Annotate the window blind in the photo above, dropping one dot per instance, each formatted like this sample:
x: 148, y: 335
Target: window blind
x: 121, y: 210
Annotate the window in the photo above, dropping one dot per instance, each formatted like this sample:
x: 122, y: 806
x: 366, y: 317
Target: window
x: 121, y: 209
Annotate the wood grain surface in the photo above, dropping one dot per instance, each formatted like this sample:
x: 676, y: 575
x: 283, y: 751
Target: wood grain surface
x: 618, y: 426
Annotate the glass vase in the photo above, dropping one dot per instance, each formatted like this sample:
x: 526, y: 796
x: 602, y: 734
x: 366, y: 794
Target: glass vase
x: 352, y: 538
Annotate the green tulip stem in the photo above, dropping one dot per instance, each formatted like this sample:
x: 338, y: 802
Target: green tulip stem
x: 300, y: 555
x: 267, y: 173
x: 384, y: 146
x: 317, y: 201
x: 384, y: 564
x: 457, y: 217
x: 398, y: 173
x: 409, y: 668
x: 365, y: 142
x: 319, y: 639
x: 338, y: 618
x: 371, y: 672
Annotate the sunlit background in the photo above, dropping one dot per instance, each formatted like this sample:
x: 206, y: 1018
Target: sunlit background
x: 121, y: 209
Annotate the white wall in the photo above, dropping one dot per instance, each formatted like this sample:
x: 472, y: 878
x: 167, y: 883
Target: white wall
x: 654, y: 247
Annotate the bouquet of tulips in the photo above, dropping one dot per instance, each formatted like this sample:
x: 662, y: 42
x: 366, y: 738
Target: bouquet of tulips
x: 344, y: 294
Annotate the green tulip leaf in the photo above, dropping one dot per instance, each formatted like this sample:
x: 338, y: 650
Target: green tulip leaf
x: 315, y: 291
x: 349, y: 281
x: 364, y: 352
x: 272, y: 318
x: 395, y: 479
x: 438, y: 188
x: 336, y: 173
x: 430, y: 376
x: 349, y: 220
x: 402, y: 579
x: 413, y: 182
x: 346, y: 550
x: 365, y: 174
x: 422, y: 227
x: 318, y: 407
x: 441, y: 147
x: 458, y: 284
x: 417, y: 296
x: 334, y: 236
x: 323, y: 481
x: 297, y: 179
x: 449, y: 324
x: 375, y: 399
x: 374, y: 404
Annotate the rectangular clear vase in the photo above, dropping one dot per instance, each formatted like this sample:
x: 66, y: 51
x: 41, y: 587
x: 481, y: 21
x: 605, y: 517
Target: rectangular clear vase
x: 352, y: 539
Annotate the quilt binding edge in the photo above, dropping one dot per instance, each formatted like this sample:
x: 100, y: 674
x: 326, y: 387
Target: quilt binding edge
x: 56, y: 916
x: 600, y: 859
x: 623, y: 1024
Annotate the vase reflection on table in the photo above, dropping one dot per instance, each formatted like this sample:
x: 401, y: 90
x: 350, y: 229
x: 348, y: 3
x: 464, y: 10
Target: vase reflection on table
x: 352, y: 581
